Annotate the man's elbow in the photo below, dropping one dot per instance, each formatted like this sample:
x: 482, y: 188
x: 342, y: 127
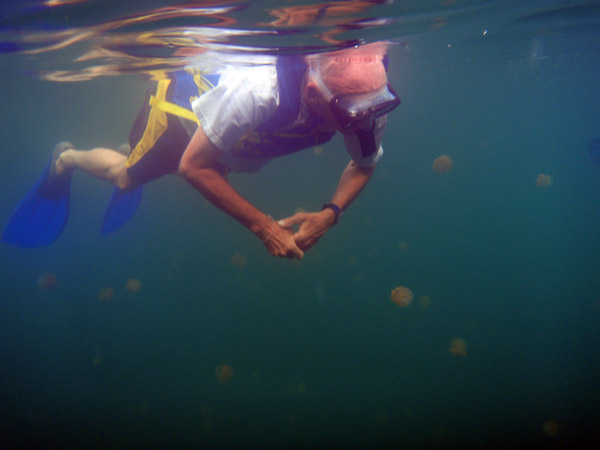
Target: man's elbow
x: 200, y: 172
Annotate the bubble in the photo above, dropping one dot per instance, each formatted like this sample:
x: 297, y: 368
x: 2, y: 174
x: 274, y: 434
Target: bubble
x: 223, y: 373
x: 402, y: 296
x: 544, y: 181
x: 239, y: 260
x: 133, y: 285
x: 46, y: 280
x: 106, y: 294
x: 442, y: 164
x: 458, y: 347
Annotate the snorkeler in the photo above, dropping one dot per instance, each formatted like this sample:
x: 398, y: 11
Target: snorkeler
x: 246, y: 116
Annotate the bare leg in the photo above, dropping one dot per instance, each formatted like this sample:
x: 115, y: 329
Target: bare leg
x: 102, y: 163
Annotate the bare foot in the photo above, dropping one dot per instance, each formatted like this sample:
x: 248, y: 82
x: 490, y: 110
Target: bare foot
x: 64, y: 162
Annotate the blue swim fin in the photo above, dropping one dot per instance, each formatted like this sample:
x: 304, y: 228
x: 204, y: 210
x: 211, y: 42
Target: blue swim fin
x: 42, y: 215
x: 121, y: 207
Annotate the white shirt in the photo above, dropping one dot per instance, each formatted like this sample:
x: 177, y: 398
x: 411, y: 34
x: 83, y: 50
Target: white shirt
x: 245, y: 97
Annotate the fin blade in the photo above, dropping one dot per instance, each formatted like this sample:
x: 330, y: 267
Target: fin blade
x: 121, y: 208
x: 36, y: 220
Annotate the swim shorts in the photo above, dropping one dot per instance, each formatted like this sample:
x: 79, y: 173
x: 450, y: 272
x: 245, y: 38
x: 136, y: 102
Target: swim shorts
x: 159, y: 138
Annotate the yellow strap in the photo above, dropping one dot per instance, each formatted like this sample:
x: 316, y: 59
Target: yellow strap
x: 172, y: 108
x: 155, y: 127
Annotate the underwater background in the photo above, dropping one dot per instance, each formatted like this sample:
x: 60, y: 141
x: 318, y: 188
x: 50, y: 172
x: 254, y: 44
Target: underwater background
x: 181, y: 331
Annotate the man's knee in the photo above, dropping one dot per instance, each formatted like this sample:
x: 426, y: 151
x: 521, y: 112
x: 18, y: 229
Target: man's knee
x: 185, y: 166
x: 123, y: 181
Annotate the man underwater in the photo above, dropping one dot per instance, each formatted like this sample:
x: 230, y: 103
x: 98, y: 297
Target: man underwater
x: 239, y: 119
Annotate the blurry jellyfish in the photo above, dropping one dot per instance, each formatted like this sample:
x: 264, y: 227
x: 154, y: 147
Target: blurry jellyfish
x: 381, y: 417
x: 439, y: 436
x: 133, y: 285
x: 353, y: 261
x: 207, y: 425
x: 318, y: 150
x: 142, y: 409
x: 424, y: 301
x: 402, y: 296
x: 550, y: 427
x: 403, y: 247
x: 298, y: 388
x: 96, y: 360
x: 223, y: 373
x: 442, y: 164
x: 239, y: 260
x: 595, y: 150
x: 205, y: 411
x: 302, y: 388
x: 106, y: 294
x: 544, y: 181
x: 46, y: 280
x: 458, y: 347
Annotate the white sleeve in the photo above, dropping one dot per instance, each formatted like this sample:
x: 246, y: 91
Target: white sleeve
x: 353, y: 146
x: 244, y: 98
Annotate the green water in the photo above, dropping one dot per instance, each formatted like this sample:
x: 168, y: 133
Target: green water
x: 321, y: 357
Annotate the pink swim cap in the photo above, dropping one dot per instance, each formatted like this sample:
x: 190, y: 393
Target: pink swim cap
x: 352, y: 71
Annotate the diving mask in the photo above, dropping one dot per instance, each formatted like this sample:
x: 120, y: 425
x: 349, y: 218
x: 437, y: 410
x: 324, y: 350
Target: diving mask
x: 359, y: 112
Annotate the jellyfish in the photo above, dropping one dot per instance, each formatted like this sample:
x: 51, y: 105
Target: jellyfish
x: 298, y: 387
x: 403, y: 247
x: 133, y: 285
x: 223, y: 373
x: 402, y: 296
x: 544, y: 180
x: 442, y: 164
x: 106, y: 294
x: 594, y: 150
x: 550, y: 427
x: 239, y: 260
x: 424, y: 301
x: 458, y: 347
x: 46, y: 280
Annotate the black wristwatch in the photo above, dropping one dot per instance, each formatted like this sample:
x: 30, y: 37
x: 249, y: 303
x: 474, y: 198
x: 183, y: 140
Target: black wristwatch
x: 336, y: 210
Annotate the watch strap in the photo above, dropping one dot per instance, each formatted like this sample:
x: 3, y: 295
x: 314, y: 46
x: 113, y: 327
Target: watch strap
x: 336, y: 210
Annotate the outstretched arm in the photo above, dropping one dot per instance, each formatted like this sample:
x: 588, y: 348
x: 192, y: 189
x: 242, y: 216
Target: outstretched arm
x: 199, y: 166
x: 314, y: 225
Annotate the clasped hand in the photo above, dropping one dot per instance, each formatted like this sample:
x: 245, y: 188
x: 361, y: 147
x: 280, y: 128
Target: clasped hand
x: 294, y: 235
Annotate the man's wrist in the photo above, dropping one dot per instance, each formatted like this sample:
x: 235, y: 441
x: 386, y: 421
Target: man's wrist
x: 337, y: 211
